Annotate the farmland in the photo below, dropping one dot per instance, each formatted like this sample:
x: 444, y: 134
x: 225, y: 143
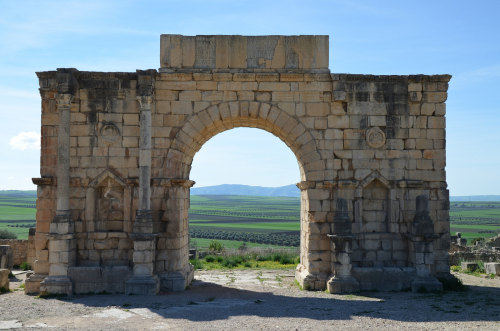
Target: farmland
x: 475, y: 219
x: 17, y: 212
x: 271, y: 221
x: 257, y: 221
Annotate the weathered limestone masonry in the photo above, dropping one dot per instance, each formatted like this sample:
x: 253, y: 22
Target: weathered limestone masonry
x: 19, y: 250
x: 117, y: 148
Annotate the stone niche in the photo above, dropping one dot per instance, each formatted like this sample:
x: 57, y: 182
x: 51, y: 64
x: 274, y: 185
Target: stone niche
x: 106, y: 204
x: 106, y: 240
x: 109, y: 206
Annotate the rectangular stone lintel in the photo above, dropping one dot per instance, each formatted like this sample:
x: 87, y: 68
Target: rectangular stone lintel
x: 244, y: 52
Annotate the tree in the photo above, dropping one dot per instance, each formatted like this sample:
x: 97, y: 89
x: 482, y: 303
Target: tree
x: 6, y: 234
x: 215, y: 246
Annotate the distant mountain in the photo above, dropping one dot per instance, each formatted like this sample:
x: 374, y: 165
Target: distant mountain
x: 475, y: 198
x: 237, y: 189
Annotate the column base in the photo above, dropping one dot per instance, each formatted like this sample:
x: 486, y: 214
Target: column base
x: 143, y: 285
x: 56, y: 285
x: 309, y: 281
x: 428, y: 284
x: 342, y: 284
x: 176, y: 281
x: 32, y: 284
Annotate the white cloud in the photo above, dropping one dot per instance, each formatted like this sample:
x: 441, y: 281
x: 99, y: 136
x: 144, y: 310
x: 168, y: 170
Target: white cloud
x: 25, y: 140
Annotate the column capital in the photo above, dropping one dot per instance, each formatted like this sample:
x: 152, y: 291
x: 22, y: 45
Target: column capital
x: 145, y: 101
x: 64, y: 99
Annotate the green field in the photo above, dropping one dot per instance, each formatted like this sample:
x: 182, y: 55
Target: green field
x: 231, y: 244
x: 258, y: 221
x: 17, y: 212
x: 257, y: 225
x: 475, y: 219
x: 269, y: 221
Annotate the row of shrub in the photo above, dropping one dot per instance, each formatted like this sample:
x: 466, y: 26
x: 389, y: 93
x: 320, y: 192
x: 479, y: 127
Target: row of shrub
x: 247, y: 259
x: 278, y: 239
x: 22, y: 225
x: 6, y: 234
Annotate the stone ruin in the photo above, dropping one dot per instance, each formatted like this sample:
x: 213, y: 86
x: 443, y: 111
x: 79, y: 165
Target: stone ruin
x: 117, y: 148
x: 6, y: 265
x: 486, y: 251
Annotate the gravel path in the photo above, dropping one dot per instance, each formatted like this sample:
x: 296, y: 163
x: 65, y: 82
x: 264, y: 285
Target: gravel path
x: 257, y: 300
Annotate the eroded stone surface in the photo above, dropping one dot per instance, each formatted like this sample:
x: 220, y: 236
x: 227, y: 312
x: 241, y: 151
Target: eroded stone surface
x: 118, y: 148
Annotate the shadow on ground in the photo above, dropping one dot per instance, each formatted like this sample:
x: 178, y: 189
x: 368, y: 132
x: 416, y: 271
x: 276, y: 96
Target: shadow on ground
x: 205, y: 301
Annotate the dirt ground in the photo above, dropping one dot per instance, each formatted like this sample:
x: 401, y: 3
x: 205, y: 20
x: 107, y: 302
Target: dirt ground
x: 257, y: 300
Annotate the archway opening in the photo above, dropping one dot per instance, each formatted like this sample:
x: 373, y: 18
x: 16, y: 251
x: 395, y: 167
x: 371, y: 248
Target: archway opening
x: 245, y: 201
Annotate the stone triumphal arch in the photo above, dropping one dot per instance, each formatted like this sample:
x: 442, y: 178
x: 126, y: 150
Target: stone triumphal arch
x: 117, y: 147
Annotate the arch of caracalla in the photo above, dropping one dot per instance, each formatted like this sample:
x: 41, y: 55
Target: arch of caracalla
x: 117, y: 148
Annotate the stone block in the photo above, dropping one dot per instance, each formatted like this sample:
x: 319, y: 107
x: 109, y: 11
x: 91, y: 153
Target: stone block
x: 338, y: 121
x: 243, y: 77
x: 142, y: 285
x: 4, y: 279
x: 181, y: 107
x: 6, y: 257
x: 417, y: 87
x: 384, y: 278
x: 492, y: 268
x: 206, y: 86
x: 435, y: 97
x: 222, y: 52
x: 317, y: 109
x: 143, y: 245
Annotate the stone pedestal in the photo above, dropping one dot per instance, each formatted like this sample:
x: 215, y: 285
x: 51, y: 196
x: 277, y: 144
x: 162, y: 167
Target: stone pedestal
x: 342, y: 280
x: 307, y: 280
x: 62, y: 255
x: 426, y: 284
x: 177, y: 280
x: 142, y: 284
x: 423, y: 237
x: 143, y: 280
x: 342, y: 284
x: 341, y: 243
x: 32, y: 284
x: 56, y: 285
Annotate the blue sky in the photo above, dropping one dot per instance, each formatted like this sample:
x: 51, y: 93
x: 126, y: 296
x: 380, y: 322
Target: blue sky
x: 461, y: 38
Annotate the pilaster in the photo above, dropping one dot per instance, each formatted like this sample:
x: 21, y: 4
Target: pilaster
x: 143, y: 280
x: 173, y: 259
x: 62, y: 243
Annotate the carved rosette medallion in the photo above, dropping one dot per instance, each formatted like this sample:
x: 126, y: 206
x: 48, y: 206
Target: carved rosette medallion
x: 109, y: 133
x: 375, y: 137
